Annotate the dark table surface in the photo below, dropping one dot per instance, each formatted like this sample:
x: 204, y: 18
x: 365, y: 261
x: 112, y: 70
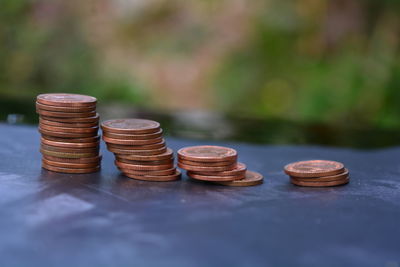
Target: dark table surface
x: 105, y: 219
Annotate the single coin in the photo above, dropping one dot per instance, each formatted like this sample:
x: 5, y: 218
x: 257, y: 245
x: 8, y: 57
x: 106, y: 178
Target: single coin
x: 151, y: 173
x: 251, y: 179
x: 320, y: 184
x: 167, y: 155
x: 239, y: 170
x: 72, y: 140
x: 164, y: 178
x: 70, y: 150
x: 72, y: 120
x: 139, y: 162
x: 324, y: 179
x: 139, y: 147
x: 68, y: 125
x: 206, y: 164
x: 143, y: 167
x: 66, y: 134
x: 65, y: 109
x: 206, y: 169
x: 69, y: 130
x: 68, y: 170
x: 314, y: 168
x: 70, y: 165
x: 69, y: 145
x: 67, y: 155
x: 207, y: 153
x: 133, y: 136
x: 66, y: 114
x: 131, y: 126
x: 96, y: 159
x: 149, y: 152
x: 66, y: 100
x: 132, y: 142
x: 215, y: 178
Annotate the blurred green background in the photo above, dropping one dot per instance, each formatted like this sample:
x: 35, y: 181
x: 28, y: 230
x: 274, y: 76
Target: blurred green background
x: 268, y: 71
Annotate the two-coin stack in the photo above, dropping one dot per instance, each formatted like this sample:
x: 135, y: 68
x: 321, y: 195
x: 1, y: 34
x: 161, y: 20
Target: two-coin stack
x: 317, y: 173
x: 69, y: 128
x: 216, y: 164
x: 140, y: 150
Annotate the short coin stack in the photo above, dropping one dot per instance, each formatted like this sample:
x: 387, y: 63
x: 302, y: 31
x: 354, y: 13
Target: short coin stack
x: 317, y: 173
x: 140, y: 150
x: 216, y: 164
x: 69, y: 126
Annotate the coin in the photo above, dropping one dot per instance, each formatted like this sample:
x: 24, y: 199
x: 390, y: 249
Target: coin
x: 70, y: 165
x: 239, y: 170
x: 68, y: 144
x: 207, y: 153
x: 149, y: 152
x: 67, y: 155
x: 69, y: 130
x: 68, y: 124
x: 66, y: 114
x: 314, y: 168
x: 66, y: 100
x: 72, y: 120
x: 68, y: 170
x: 133, y: 136
x: 164, y: 178
x: 206, y: 164
x: 151, y: 173
x: 65, y: 109
x: 133, y: 142
x: 72, y: 140
x: 205, y: 168
x: 74, y: 160
x: 70, y: 150
x: 139, y: 162
x: 167, y: 155
x: 66, y: 134
x: 214, y: 178
x: 251, y: 179
x: 143, y: 167
x: 131, y: 126
x: 324, y: 179
x: 320, y: 184
x: 139, y: 147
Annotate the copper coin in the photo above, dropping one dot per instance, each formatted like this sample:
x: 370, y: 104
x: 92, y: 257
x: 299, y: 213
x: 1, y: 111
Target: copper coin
x: 70, y: 150
x: 72, y: 140
x: 68, y: 125
x: 240, y: 170
x: 164, y: 178
x: 139, y: 162
x: 67, y: 155
x: 205, y: 168
x: 320, y: 184
x: 69, y: 130
x: 139, y: 147
x: 66, y: 114
x: 152, y: 173
x: 143, y: 167
x: 72, y: 120
x: 324, y: 179
x: 65, y: 109
x: 69, y: 145
x: 131, y: 126
x: 150, y: 152
x: 215, y: 178
x: 66, y: 134
x: 206, y: 164
x: 132, y: 142
x: 70, y: 165
x: 314, y: 168
x: 66, y: 100
x: 133, y: 136
x: 251, y: 179
x: 167, y: 155
x: 96, y: 159
x: 207, y: 153
x: 68, y: 170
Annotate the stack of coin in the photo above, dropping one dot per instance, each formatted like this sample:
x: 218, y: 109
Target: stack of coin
x: 216, y: 164
x: 69, y: 127
x: 140, y: 150
x: 317, y: 173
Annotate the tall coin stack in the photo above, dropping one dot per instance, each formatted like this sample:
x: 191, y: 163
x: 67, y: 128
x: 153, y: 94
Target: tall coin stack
x: 140, y: 150
x: 216, y: 164
x: 69, y: 127
x: 317, y: 173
